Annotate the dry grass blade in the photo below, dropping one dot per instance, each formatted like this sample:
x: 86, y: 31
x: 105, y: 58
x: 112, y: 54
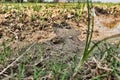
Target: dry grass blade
x: 99, y: 65
x: 17, y: 58
x: 116, y: 58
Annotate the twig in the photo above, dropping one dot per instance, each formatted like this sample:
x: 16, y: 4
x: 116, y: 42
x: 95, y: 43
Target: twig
x: 99, y: 66
x: 116, y: 58
x: 17, y: 59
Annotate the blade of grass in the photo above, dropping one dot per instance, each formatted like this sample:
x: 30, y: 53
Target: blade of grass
x: 110, y: 37
x: 88, y: 37
x: 89, y: 49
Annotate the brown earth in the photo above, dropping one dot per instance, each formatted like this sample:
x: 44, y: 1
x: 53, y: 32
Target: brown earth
x: 21, y: 28
x: 61, y: 32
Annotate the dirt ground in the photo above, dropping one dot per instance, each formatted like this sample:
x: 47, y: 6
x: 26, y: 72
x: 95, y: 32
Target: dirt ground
x: 19, y: 29
x: 61, y: 34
